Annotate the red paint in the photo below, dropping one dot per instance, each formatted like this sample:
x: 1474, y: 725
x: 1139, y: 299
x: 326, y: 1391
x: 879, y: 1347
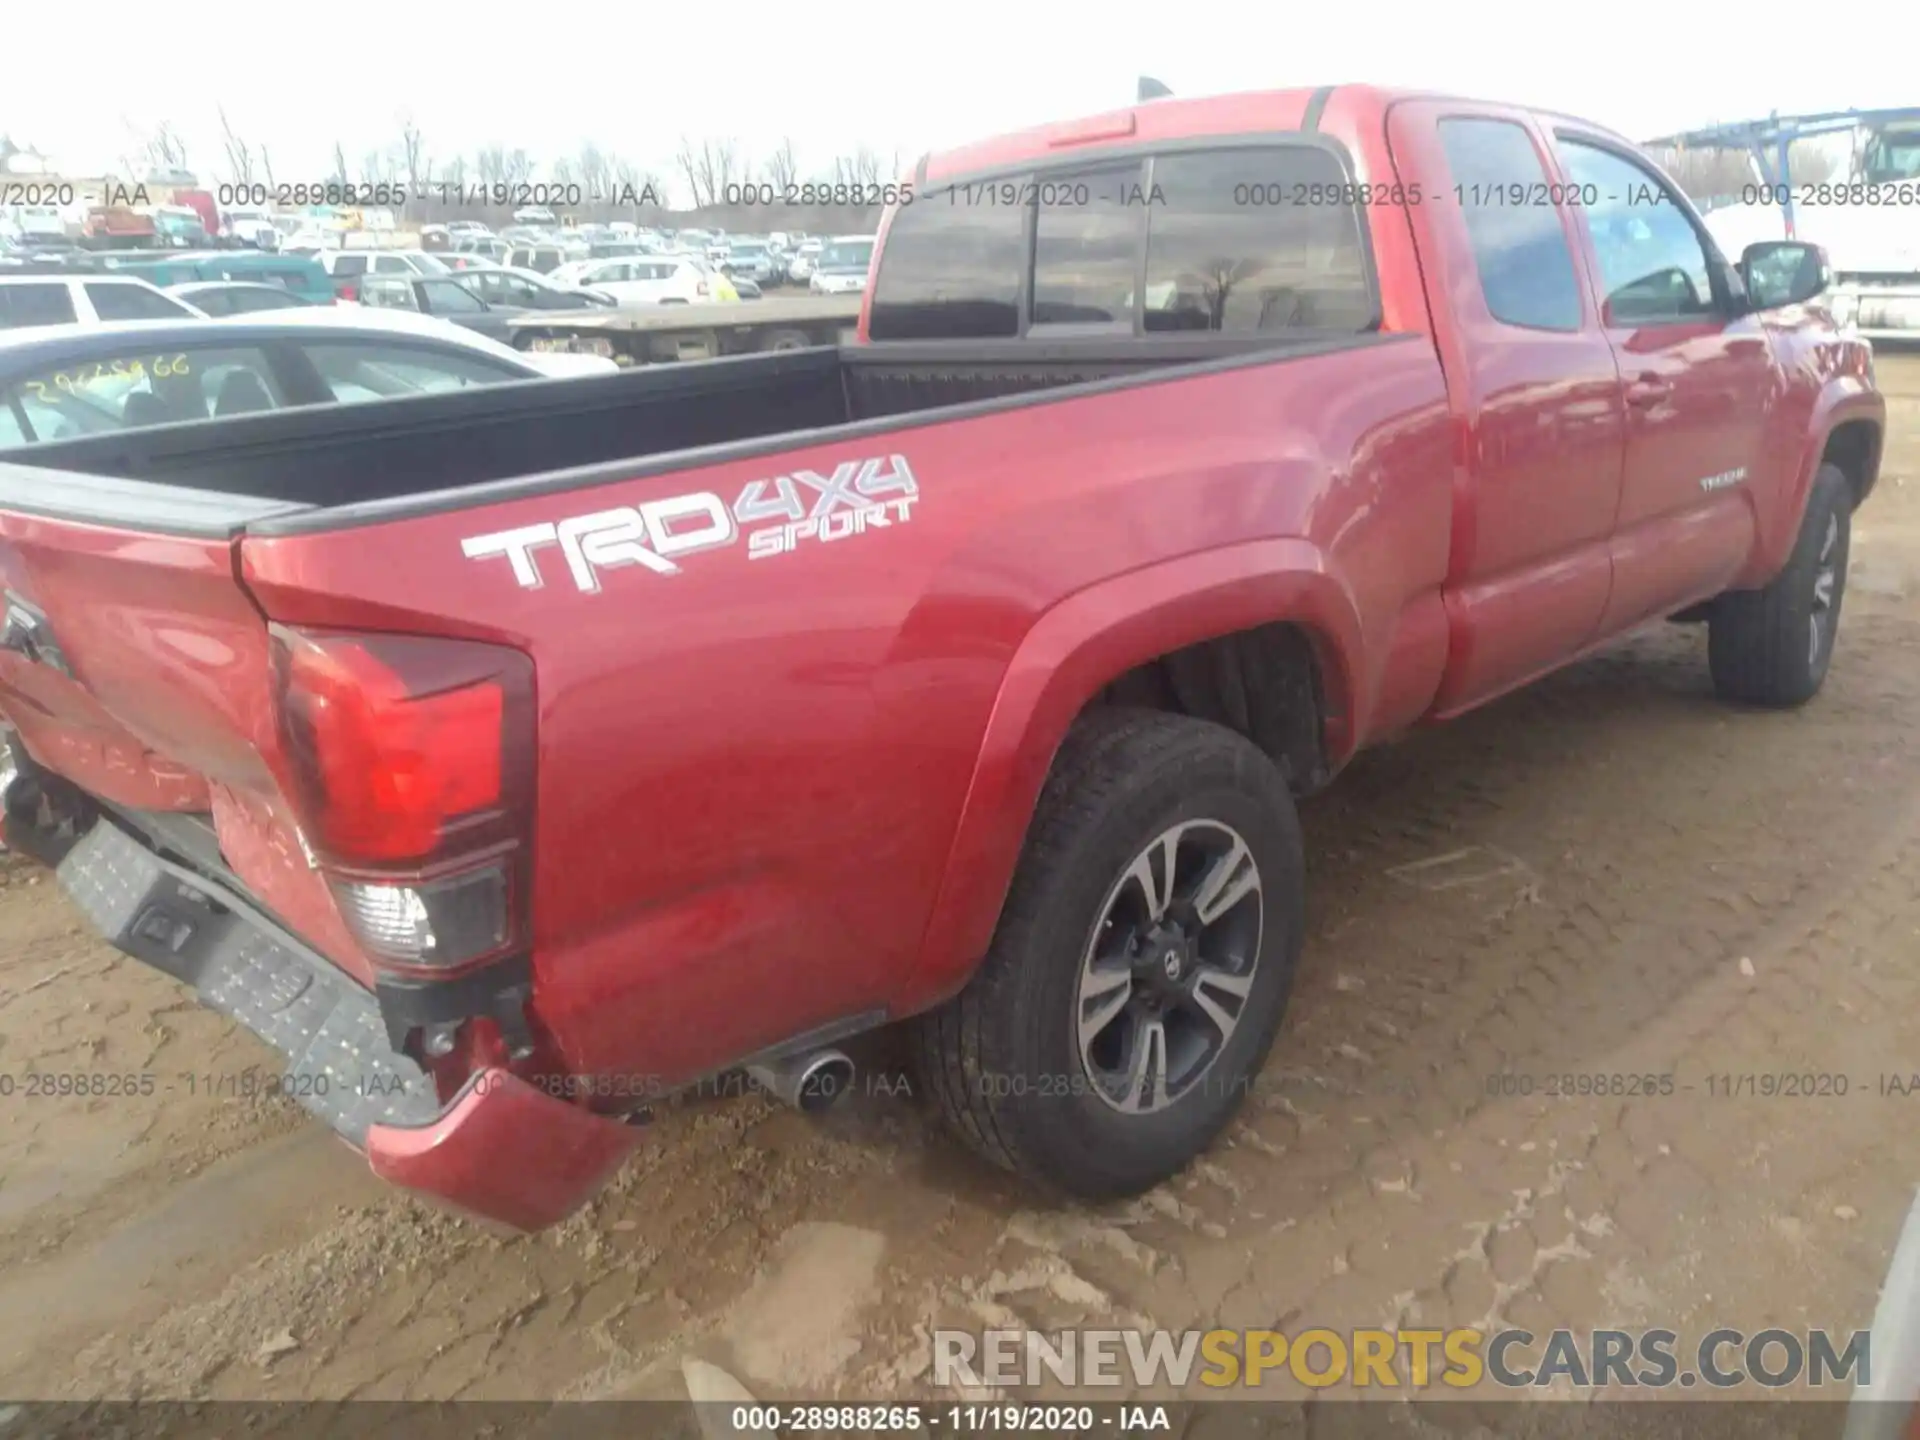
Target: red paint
x: 774, y: 794
x: 506, y: 1151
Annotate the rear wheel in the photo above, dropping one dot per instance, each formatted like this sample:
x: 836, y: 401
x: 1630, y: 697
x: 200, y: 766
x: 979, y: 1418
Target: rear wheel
x: 1772, y: 646
x: 1141, y: 966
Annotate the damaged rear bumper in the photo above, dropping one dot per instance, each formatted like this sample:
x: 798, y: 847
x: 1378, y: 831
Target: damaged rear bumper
x: 501, y: 1148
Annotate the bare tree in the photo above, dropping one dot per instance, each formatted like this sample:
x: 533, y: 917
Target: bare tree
x: 595, y: 171
x: 563, y: 172
x: 376, y: 167
x: 638, y: 190
x: 519, y: 168
x: 711, y: 169
x: 159, y: 148
x: 339, y: 176
x: 783, y: 170
x: 858, y: 171
x: 453, y: 175
x: 239, y: 152
x: 413, y: 161
x: 491, y: 166
x: 266, y: 167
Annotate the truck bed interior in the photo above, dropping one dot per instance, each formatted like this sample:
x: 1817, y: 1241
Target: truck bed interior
x: 327, y: 457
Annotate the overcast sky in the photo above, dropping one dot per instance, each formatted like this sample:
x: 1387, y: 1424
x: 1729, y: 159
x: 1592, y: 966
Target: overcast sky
x: 836, y: 74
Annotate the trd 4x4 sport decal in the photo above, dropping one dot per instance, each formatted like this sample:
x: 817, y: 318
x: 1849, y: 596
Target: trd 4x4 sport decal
x: 776, y: 516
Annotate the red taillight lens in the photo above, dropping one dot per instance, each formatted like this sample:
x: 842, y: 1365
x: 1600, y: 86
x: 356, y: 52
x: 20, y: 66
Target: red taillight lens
x: 348, y: 293
x: 412, y: 760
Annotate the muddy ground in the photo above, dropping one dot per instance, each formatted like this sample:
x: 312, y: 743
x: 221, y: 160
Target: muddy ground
x: 1651, y: 883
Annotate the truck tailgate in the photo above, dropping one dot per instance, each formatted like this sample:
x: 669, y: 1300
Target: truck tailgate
x: 134, y: 664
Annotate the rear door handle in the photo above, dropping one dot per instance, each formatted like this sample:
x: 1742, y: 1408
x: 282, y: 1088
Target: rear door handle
x: 1649, y: 391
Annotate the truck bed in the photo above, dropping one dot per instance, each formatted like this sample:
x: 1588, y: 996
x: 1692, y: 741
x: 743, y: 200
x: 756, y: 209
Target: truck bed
x: 772, y: 310
x: 337, y: 465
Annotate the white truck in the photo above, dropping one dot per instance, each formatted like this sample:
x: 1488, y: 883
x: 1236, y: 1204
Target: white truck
x: 1867, y: 221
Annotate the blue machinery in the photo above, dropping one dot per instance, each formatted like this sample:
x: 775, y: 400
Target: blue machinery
x: 1770, y: 141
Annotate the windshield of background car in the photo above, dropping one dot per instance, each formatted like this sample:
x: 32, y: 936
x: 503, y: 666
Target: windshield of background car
x: 851, y: 256
x: 1890, y: 157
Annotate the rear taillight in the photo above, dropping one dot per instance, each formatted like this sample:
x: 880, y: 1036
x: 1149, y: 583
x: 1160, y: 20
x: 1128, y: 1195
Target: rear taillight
x: 348, y: 294
x: 412, y: 760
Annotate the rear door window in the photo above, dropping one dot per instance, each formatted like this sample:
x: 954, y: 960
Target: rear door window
x: 1519, y: 244
x: 1255, y: 239
x: 24, y: 306
x: 349, y: 265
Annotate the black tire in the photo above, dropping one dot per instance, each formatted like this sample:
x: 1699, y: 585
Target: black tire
x: 1003, y: 1060
x: 1772, y: 646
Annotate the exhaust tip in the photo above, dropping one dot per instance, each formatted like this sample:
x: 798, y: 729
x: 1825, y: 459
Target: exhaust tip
x: 823, y: 1082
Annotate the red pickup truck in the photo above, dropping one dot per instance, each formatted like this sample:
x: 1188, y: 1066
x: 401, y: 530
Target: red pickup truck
x: 509, y: 757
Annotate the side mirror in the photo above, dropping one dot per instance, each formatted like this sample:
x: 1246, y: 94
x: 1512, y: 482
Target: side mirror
x: 1783, y: 272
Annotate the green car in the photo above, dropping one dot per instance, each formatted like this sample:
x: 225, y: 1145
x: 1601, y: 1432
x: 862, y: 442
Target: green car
x: 298, y: 274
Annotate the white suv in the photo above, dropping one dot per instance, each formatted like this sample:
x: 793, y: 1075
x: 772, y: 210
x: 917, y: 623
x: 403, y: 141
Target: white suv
x: 27, y: 301
x: 642, y: 280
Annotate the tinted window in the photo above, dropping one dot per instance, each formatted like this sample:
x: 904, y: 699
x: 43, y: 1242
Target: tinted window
x: 447, y: 297
x: 349, y: 265
x: 951, y: 268
x: 391, y: 265
x: 11, y: 432
x: 1241, y: 241
x: 22, y: 306
x: 137, y: 386
x: 1519, y: 245
x: 1653, y: 265
x: 243, y: 301
x: 370, y: 371
x: 215, y: 302
x: 131, y: 302
x: 388, y: 295
x: 1086, y: 247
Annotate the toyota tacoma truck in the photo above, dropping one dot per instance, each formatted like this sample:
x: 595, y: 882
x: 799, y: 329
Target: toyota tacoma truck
x: 509, y: 758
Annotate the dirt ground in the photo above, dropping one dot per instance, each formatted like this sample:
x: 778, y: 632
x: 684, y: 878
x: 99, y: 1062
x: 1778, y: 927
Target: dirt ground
x: 1651, y: 883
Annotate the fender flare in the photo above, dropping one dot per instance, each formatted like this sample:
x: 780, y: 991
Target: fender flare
x: 1841, y: 403
x: 1076, y: 648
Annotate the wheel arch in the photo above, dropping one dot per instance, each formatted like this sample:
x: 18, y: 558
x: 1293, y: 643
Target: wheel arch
x: 1277, y: 596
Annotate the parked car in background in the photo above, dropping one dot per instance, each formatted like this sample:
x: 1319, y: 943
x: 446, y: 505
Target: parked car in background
x: 842, y: 266
x: 300, y: 275
x: 753, y: 259
x: 648, y: 280
x: 465, y: 260
x: 541, y: 258
x: 528, y: 290
x: 31, y: 301
x: 250, y: 226
x: 801, y: 261
x: 346, y: 268
x: 444, y: 297
x: 236, y: 297
x: 68, y: 381
x: 462, y: 229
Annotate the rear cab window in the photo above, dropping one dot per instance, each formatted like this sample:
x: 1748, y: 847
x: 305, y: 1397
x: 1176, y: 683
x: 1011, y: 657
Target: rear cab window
x: 1224, y: 238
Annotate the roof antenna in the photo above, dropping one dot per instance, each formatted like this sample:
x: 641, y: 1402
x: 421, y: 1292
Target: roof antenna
x: 1152, y: 89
